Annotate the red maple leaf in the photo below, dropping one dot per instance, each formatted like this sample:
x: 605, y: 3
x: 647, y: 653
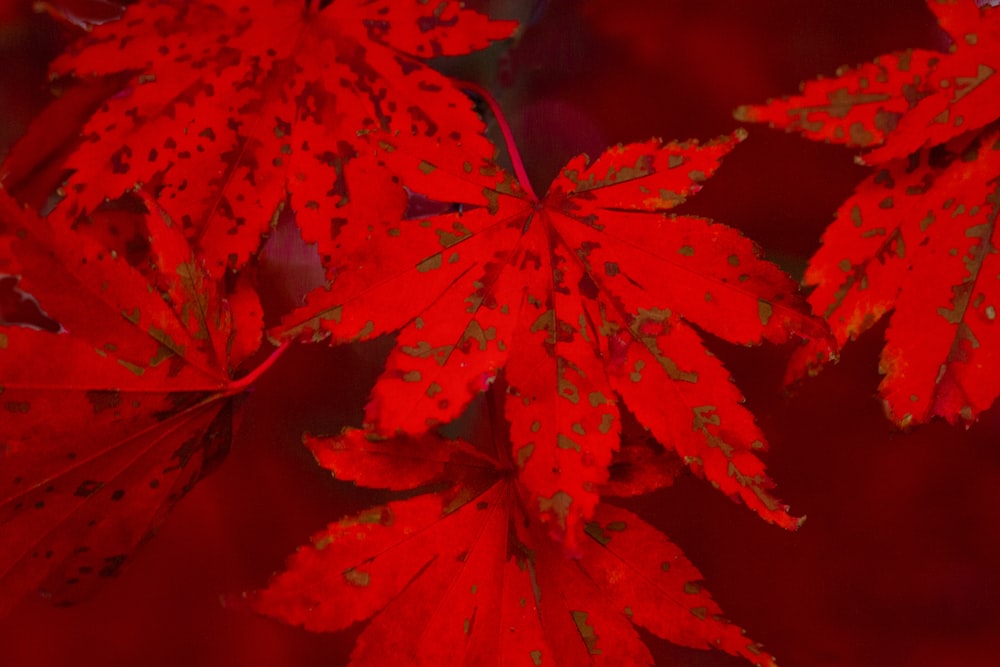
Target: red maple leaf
x: 917, y: 237
x: 584, y: 295
x: 907, y: 100
x: 233, y: 107
x: 116, y: 386
x: 465, y: 574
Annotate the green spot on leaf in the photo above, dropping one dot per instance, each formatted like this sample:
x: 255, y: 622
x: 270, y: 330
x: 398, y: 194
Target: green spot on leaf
x: 607, y: 421
x: 377, y: 515
x: 366, y: 330
x: 524, y: 453
x: 356, y: 578
x: 558, y: 504
x: 704, y: 416
x: 764, y: 311
x: 565, y: 443
x: 596, y: 398
x: 594, y: 530
x: 586, y: 632
x: 137, y: 370
x: 429, y: 264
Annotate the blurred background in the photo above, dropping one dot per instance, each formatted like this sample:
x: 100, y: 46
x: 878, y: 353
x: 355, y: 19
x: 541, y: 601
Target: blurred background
x: 899, y: 560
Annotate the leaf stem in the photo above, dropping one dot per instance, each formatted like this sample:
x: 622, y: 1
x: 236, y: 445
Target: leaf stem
x: 508, y: 136
x: 240, y: 385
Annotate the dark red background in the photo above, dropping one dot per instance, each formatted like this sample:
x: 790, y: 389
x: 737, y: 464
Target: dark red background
x: 899, y: 561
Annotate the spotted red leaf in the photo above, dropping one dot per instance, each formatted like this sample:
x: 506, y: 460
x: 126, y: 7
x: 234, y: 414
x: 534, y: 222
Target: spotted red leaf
x: 903, y: 101
x: 116, y: 389
x: 917, y: 237
x: 33, y: 170
x: 585, y: 297
x: 236, y: 105
x: 467, y: 576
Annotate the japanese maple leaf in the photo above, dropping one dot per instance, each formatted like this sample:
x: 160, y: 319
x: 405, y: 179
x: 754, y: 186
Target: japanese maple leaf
x: 116, y: 387
x: 917, y: 237
x: 463, y: 574
x: 586, y: 297
x: 236, y: 105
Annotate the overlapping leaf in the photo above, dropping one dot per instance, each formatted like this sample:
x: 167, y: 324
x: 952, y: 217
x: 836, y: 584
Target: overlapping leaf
x: 584, y: 297
x: 116, y: 393
x: 234, y: 106
x: 917, y: 236
x: 462, y: 574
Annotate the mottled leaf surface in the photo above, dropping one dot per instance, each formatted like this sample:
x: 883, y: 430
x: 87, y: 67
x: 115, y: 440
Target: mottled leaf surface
x: 858, y: 107
x: 917, y: 237
x: 116, y: 393
x: 465, y: 574
x: 234, y: 106
x: 903, y: 101
x: 585, y: 298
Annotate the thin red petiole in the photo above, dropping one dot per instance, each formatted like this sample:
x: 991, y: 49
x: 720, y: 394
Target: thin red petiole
x: 251, y: 377
x: 508, y: 137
